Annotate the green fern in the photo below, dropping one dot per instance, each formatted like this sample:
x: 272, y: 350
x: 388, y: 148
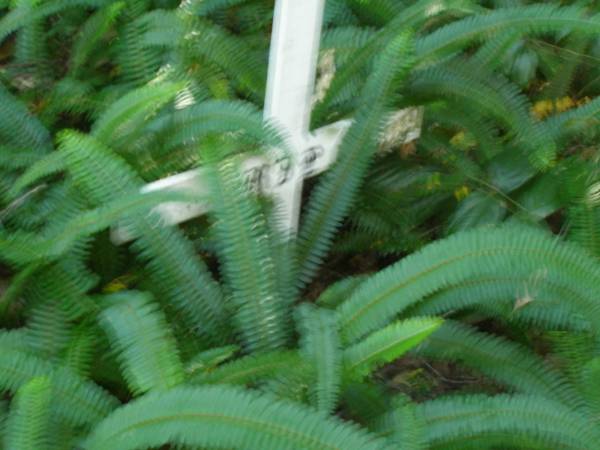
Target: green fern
x: 387, y: 345
x: 77, y: 401
x: 321, y: 346
x: 248, y: 265
x: 18, y: 127
x: 532, y: 19
x: 225, y: 417
x: 193, y: 327
x: 90, y: 35
x: 125, y: 116
x: 504, y: 361
x: 178, y: 274
x: 458, y: 259
x: 250, y: 369
x: 333, y: 197
x: 28, y: 425
x: 514, y: 420
x: 142, y: 339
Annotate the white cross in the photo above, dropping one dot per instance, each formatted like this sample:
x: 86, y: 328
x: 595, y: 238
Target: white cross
x: 291, y: 79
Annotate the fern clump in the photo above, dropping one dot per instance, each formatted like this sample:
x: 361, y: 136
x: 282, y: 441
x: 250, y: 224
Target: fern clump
x: 440, y: 293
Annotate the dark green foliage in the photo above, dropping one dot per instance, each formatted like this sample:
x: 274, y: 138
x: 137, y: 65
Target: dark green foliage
x: 527, y: 422
x: 440, y: 294
x: 28, y: 425
x: 321, y: 346
x: 333, y: 196
x: 248, y: 264
x: 147, y: 352
x: 463, y: 258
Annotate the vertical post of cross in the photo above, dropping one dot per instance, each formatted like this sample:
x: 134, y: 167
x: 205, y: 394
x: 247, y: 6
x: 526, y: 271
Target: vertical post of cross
x: 292, y: 70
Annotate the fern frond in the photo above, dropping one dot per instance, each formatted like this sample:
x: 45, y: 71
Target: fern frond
x: 402, y: 425
x: 66, y: 281
x: 125, y: 116
x: 342, y: 39
x: 531, y: 20
x: 138, y: 62
x: 178, y: 275
x: 566, y: 70
x: 333, y: 196
x: 75, y: 400
x: 17, y: 160
x: 387, y: 344
x: 520, y: 298
x: 588, y: 383
x: 337, y: 293
x: 248, y: 264
x: 506, y: 362
x: 459, y: 258
x: 70, y: 96
x: 91, y: 164
x: 232, y: 55
x: 23, y: 14
x: 17, y: 286
x: 81, y: 350
x: 19, y: 128
x: 377, y: 12
x: 208, y: 360
x: 189, y: 125
x: 573, y: 352
x: 31, y: 55
x: 207, y: 7
x: 91, y: 33
x: 346, y: 80
x: 490, y: 54
x: 250, y: 369
x: 568, y: 123
x: 143, y: 341
x: 48, y: 165
x: 23, y: 247
x: 502, y: 100
x: 225, y: 417
x: 321, y: 346
x: 512, y: 420
x: 364, y: 402
x: 48, y: 329
x: 163, y: 29
x: 584, y: 220
x: 484, y: 129
x: 28, y: 425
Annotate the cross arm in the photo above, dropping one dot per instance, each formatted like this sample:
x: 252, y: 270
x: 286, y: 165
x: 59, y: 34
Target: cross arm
x: 271, y: 177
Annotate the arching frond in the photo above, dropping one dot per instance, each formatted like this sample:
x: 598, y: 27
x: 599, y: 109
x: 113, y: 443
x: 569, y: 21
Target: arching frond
x: 387, y: 344
x: 459, y: 258
x: 500, y: 359
x: 225, y: 417
x: 532, y: 19
x: 251, y: 368
x: 143, y: 342
x: 248, y: 264
x: 321, y: 346
x: 208, y: 360
x: 75, y: 400
x: 526, y: 421
x: 333, y: 196
x: 180, y: 276
x: 28, y: 425
x: 91, y: 33
x: 19, y: 128
x: 125, y: 116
